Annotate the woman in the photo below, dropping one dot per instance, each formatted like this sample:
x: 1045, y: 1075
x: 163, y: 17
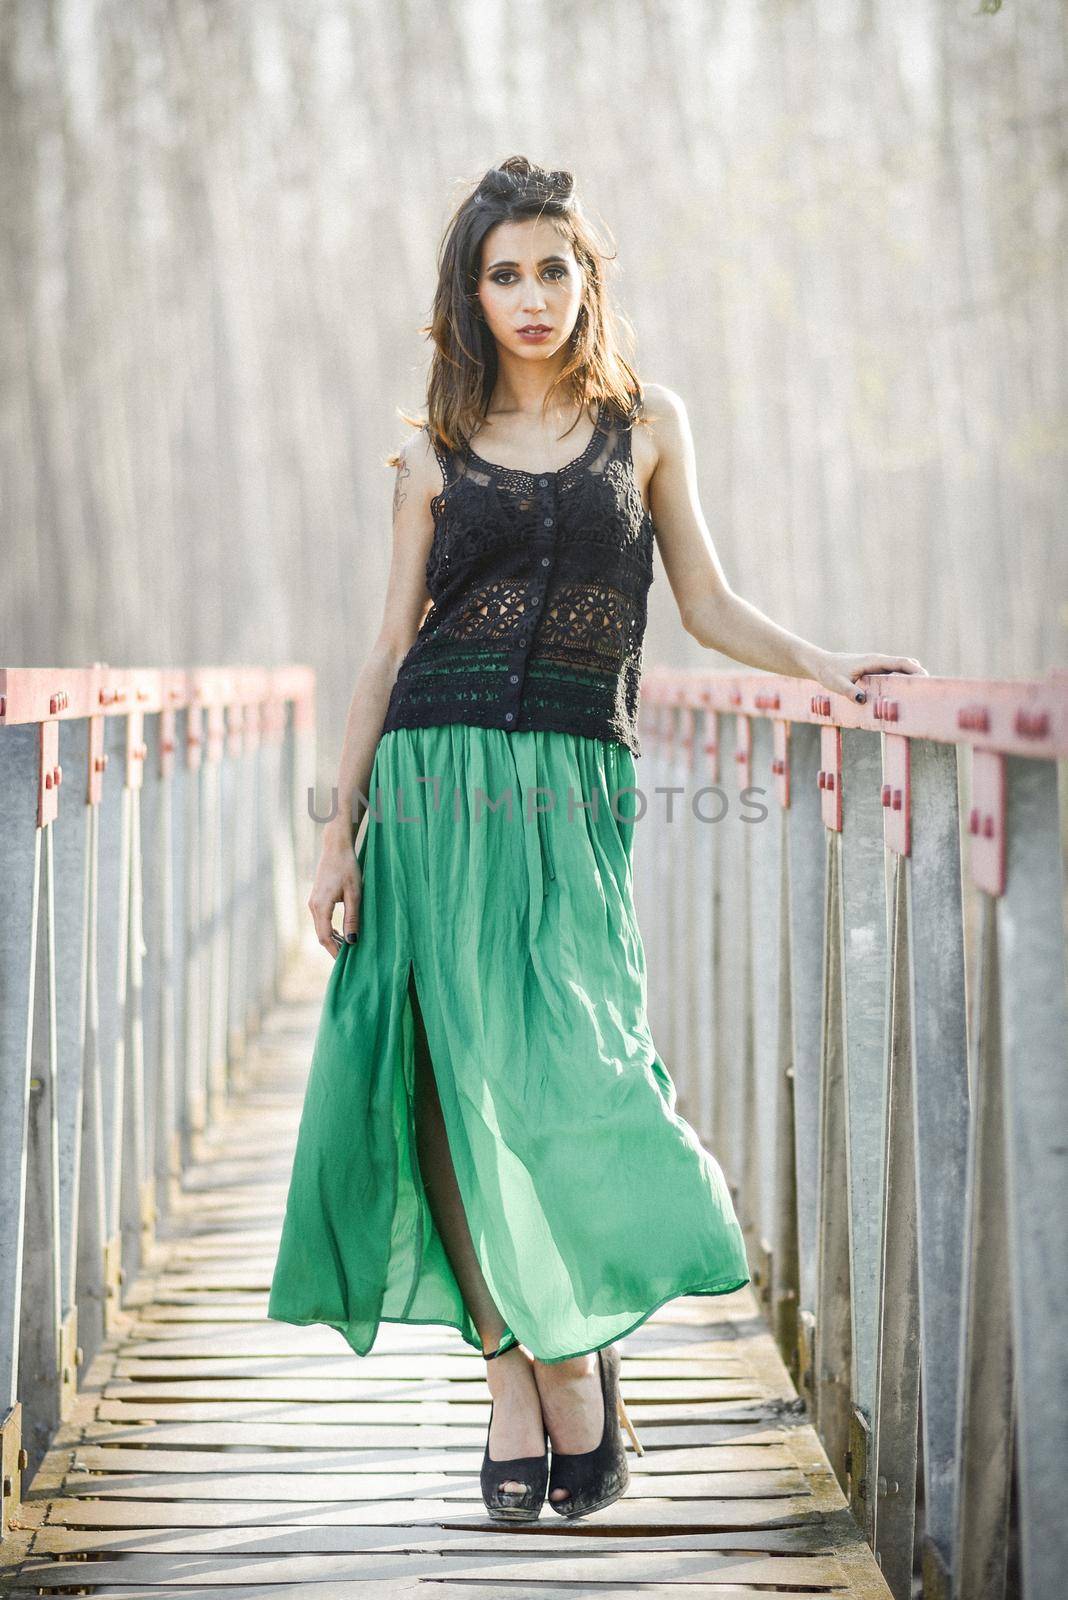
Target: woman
x: 489, y: 1137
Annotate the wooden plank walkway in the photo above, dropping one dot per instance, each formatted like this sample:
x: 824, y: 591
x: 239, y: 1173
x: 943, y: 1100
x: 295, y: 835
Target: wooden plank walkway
x: 226, y: 1455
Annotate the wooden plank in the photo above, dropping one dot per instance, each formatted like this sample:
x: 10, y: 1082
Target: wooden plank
x: 165, y: 1318
x: 416, y: 1589
x: 239, y: 1135
x: 235, y: 1176
x: 295, y: 1378
x: 328, y: 1348
x: 633, y: 1511
x: 417, y: 1457
x: 432, y: 1339
x: 186, y: 1287
x: 248, y: 1302
x: 758, y: 1444
x: 296, y: 1539
x: 141, y: 1400
x: 819, y: 1573
x: 207, y: 1211
x: 148, y: 1338
x: 203, y: 1311
x: 234, y: 1165
x: 226, y: 1236
x: 259, y: 1255
x: 208, y: 1482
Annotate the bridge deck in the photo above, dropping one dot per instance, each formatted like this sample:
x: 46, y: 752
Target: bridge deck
x: 229, y: 1455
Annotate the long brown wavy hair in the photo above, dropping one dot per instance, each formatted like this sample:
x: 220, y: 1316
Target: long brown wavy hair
x: 463, y: 369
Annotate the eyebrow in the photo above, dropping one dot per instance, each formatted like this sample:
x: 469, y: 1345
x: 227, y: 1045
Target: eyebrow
x: 542, y: 263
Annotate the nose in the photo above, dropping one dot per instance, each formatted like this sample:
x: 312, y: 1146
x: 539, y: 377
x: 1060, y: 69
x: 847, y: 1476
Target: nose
x: 534, y: 299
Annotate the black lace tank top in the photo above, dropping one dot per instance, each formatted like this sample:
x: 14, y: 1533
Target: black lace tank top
x: 539, y: 585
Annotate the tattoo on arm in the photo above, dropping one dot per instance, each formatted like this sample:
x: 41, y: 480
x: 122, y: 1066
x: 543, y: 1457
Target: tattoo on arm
x: 400, y: 494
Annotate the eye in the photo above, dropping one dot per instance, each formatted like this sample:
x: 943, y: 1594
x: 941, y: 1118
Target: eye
x: 503, y: 276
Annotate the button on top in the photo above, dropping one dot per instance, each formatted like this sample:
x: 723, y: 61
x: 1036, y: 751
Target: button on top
x: 509, y: 716
x: 544, y: 482
x: 548, y: 522
x: 545, y: 561
x: 513, y: 677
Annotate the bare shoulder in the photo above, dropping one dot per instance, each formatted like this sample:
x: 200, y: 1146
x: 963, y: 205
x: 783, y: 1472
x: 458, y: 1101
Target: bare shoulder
x: 665, y: 423
x: 418, y: 474
x: 664, y: 409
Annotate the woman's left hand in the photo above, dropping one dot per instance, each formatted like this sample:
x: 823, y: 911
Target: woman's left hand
x: 839, y: 670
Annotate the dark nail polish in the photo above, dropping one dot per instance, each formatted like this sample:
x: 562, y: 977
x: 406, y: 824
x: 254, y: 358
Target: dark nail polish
x: 860, y: 695
x: 350, y: 938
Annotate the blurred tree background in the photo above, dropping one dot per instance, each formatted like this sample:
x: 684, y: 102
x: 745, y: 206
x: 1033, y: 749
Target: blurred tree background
x: 841, y: 228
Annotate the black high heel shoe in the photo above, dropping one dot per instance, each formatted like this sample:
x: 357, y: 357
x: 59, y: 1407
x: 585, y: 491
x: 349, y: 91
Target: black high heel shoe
x: 533, y: 1471
x: 595, y: 1478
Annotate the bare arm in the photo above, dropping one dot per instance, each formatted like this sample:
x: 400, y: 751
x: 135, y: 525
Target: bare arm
x: 710, y: 610
x: 338, y: 877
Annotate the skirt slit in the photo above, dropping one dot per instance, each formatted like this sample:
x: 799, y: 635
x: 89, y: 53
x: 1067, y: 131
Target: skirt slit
x: 428, y: 1079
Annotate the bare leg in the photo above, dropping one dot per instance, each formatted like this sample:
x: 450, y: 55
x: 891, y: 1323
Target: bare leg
x: 571, y: 1403
x: 517, y: 1426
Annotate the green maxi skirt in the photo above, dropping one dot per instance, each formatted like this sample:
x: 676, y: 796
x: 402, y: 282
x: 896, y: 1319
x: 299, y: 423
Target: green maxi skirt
x: 509, y: 947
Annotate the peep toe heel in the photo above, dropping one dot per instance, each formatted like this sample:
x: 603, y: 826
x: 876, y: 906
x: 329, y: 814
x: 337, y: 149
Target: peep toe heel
x: 595, y: 1478
x: 532, y: 1471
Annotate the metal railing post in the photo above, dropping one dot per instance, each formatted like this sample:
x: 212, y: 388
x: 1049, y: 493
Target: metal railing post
x: 896, y: 1418
x: 761, y: 816
x: 706, y: 802
x: 806, y: 869
x: 833, y: 1327
x: 39, y: 1359
x: 864, y: 998
x: 985, y: 1423
x: 734, y: 1035
x: 20, y: 872
x: 1034, y: 1013
x: 940, y: 1107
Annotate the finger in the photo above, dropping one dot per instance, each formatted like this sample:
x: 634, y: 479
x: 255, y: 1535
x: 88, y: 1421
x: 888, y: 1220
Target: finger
x: 878, y: 666
x: 352, y: 917
x: 881, y: 664
x: 841, y: 684
x: 321, y: 916
x: 872, y: 666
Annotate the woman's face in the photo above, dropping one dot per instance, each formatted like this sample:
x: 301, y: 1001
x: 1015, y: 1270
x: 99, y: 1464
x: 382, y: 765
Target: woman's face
x: 529, y: 278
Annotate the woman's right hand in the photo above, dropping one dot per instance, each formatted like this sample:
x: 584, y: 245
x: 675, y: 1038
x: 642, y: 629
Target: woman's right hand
x: 338, y: 877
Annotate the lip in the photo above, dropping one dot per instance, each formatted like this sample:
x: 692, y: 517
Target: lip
x: 534, y: 330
